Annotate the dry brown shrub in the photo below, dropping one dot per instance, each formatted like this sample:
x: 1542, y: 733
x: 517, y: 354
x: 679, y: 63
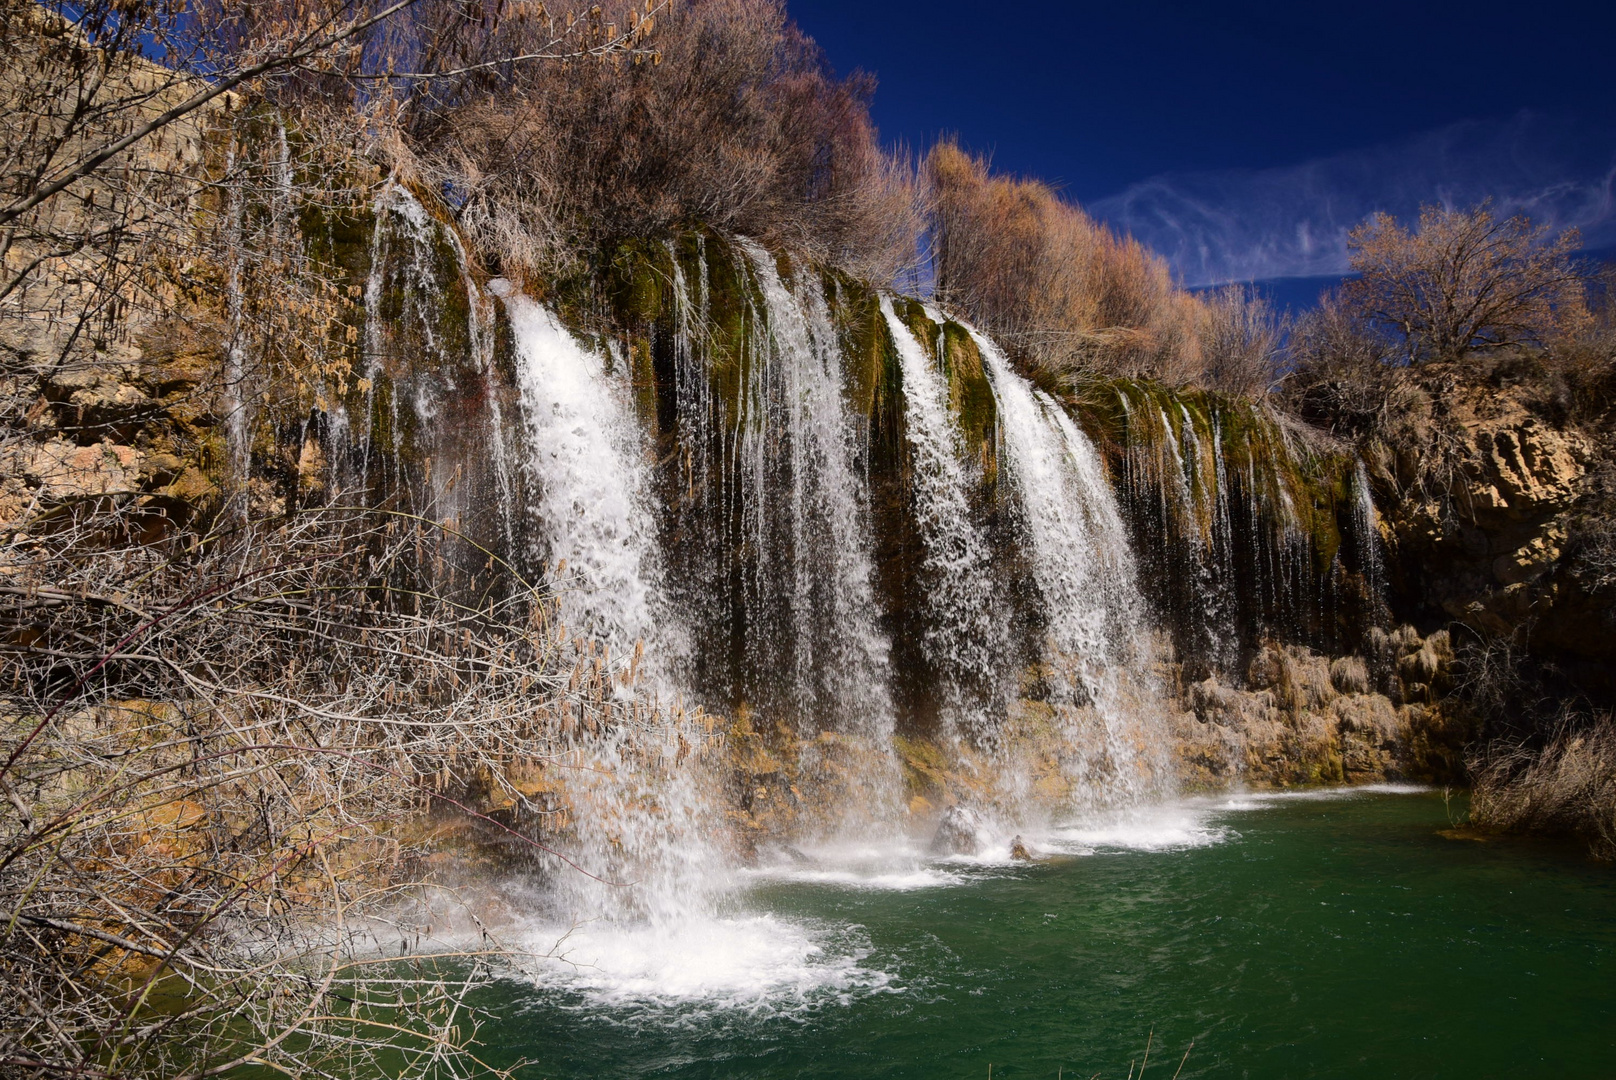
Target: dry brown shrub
x: 1062, y: 292
x: 737, y: 125
x: 1241, y: 340
x: 1568, y: 787
x: 1343, y: 377
x: 1582, y: 348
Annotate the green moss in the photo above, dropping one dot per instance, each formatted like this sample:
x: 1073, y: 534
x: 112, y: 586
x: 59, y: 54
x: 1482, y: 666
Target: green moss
x: 870, y: 357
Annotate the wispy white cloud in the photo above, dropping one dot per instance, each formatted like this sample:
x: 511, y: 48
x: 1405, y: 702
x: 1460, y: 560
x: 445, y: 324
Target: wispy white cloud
x: 1290, y: 222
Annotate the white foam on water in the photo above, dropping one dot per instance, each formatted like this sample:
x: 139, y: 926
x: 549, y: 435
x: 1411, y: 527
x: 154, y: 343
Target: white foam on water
x: 874, y: 880
x: 758, y: 964
x: 1261, y: 800
x: 893, y: 864
x: 1187, y: 823
x: 1168, y: 827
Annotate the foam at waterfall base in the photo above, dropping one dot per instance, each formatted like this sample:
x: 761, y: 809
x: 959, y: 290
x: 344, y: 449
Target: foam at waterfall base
x: 758, y: 964
x: 1260, y: 800
x: 1173, y: 826
x: 894, y: 866
x: 1186, y: 823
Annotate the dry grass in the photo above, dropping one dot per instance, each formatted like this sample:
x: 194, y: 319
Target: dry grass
x: 1566, y: 787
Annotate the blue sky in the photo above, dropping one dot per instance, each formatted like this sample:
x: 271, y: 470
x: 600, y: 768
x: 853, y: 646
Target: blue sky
x: 1242, y: 139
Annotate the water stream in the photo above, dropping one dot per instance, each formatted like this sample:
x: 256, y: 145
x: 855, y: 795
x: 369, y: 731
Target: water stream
x: 808, y: 515
x: 585, y: 459
x: 1083, y: 567
x: 962, y: 618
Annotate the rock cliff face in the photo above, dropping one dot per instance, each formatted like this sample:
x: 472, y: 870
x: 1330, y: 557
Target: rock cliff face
x: 1487, y: 499
x: 1301, y: 717
x: 108, y: 362
x: 143, y: 421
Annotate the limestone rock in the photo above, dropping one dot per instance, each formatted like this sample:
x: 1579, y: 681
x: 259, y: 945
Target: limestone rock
x: 1326, y: 720
x: 959, y: 833
x: 59, y: 469
x: 1519, y: 470
x: 1532, y: 559
x: 1307, y: 676
x: 1367, y: 728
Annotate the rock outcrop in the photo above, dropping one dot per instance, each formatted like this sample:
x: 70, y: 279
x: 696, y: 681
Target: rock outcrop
x: 1303, y: 718
x: 959, y: 833
x: 1482, y: 490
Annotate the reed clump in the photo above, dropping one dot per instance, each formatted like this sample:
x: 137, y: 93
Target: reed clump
x: 1567, y: 786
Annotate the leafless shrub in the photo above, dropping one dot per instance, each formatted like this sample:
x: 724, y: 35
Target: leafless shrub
x: 738, y: 126
x: 1566, y: 787
x: 1582, y: 349
x: 1342, y: 376
x: 1064, y: 293
x: 1595, y: 552
x: 224, y: 763
x: 1240, y: 341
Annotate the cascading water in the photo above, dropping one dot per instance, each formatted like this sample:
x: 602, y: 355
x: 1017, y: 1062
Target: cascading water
x: 1366, y: 530
x: 1085, y: 575
x: 585, y: 459
x: 441, y: 421
x: 812, y: 650
x: 649, y: 813
x: 807, y: 507
x: 637, y: 791
x: 1204, y: 521
x: 724, y: 514
x: 961, y: 618
x: 832, y: 520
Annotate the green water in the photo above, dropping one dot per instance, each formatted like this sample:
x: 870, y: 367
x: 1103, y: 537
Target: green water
x: 1289, y: 937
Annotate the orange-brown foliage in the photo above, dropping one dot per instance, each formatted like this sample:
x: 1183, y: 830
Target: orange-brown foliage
x: 1463, y: 281
x: 1068, y: 295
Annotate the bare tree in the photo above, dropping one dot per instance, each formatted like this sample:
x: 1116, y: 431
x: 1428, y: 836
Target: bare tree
x: 1462, y: 280
x: 1241, y: 337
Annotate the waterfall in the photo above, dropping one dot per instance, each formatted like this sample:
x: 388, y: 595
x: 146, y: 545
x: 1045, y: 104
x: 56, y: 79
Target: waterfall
x: 696, y: 497
x: 810, y: 605
x: 1084, y: 572
x: 585, y: 458
x: 1366, y: 530
x: 807, y: 507
x: 636, y: 802
x: 1204, y: 522
x: 961, y: 618
x: 423, y: 379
